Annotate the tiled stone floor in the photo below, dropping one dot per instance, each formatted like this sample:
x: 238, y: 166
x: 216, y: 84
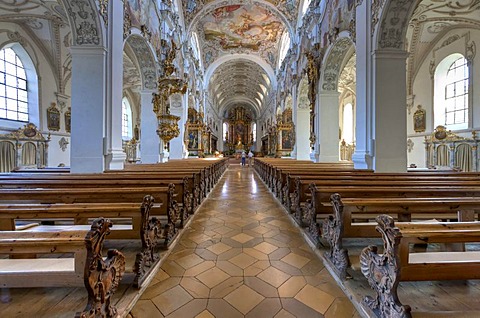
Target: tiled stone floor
x: 241, y: 256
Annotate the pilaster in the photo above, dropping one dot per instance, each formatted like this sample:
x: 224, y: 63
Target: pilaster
x: 178, y: 108
x: 115, y: 156
x: 149, y: 140
x: 328, y: 123
x: 390, y: 98
x: 362, y: 157
x: 88, y: 105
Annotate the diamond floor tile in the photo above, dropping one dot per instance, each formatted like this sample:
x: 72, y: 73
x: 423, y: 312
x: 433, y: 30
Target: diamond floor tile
x: 244, y: 299
x: 241, y: 256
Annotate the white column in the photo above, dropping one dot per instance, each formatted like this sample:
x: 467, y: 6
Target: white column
x: 177, y: 108
x: 115, y: 157
x: 390, y: 98
x: 362, y: 157
x: 328, y: 124
x: 302, y: 133
x: 315, y: 154
x: 88, y: 104
x: 149, y: 140
x: 258, y: 142
x: 295, y: 121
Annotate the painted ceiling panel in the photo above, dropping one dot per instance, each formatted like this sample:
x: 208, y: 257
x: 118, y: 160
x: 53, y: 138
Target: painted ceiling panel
x: 247, y: 28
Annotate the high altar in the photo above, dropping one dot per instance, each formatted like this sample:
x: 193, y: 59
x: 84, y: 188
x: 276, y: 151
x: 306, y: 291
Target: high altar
x: 239, y: 135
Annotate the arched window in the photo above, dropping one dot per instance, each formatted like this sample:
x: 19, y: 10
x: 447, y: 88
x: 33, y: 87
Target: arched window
x: 225, y: 130
x: 254, y: 132
x: 305, y: 5
x: 451, y: 92
x: 13, y: 87
x: 284, y: 46
x: 126, y: 119
x: 348, y: 123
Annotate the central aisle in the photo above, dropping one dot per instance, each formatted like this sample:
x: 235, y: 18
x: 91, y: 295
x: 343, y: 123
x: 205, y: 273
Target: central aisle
x: 241, y: 256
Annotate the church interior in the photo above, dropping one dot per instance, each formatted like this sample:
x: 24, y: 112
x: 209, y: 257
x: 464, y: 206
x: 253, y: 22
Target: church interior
x: 123, y: 191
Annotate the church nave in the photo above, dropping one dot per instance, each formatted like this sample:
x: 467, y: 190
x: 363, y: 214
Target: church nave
x: 242, y: 256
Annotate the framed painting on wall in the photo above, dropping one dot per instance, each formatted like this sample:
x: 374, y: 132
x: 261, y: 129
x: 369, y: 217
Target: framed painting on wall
x: 53, y: 118
x: 419, y: 120
x: 68, y: 121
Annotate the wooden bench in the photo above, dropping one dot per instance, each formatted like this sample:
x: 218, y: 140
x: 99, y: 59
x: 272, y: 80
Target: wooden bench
x: 185, y: 186
x: 165, y: 195
x: 397, y: 263
x: 152, y: 233
x: 306, y: 212
x: 42, y: 272
x: 340, y: 225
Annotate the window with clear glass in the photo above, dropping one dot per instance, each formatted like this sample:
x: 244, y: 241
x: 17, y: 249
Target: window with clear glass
x: 254, y: 132
x: 348, y: 123
x: 456, y: 93
x: 126, y: 119
x: 13, y: 87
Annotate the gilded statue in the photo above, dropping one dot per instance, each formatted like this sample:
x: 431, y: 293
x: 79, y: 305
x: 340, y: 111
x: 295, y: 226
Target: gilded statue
x: 312, y: 75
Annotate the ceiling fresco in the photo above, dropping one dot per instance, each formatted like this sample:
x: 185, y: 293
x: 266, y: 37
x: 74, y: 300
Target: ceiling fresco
x: 239, y: 79
x: 288, y: 8
x: 240, y: 29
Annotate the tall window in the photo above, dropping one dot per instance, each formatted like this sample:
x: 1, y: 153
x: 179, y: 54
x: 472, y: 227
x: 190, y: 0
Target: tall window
x: 126, y: 119
x: 348, y: 123
x: 254, y: 132
x: 13, y: 87
x: 284, y: 46
x: 456, y: 93
x: 305, y: 5
x: 225, y: 130
x: 451, y: 92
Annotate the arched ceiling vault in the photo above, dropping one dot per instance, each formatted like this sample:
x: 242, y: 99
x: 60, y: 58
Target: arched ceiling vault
x: 228, y: 32
x: 239, y: 80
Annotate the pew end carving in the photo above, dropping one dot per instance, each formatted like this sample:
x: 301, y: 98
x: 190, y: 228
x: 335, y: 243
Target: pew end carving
x: 383, y: 272
x: 150, y: 234
x: 332, y: 232
x: 101, y: 276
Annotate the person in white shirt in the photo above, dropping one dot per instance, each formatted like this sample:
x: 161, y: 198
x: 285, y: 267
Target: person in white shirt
x: 250, y: 156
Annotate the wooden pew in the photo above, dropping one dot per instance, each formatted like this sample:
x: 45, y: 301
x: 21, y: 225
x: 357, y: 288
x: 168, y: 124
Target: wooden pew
x: 340, y: 225
x: 152, y: 233
x: 165, y: 195
x: 42, y: 272
x: 186, y: 186
x: 385, y: 271
x: 307, y: 206
x: 327, y: 178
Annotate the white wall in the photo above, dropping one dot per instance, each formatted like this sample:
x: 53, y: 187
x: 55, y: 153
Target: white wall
x: 46, y: 94
x: 423, y: 90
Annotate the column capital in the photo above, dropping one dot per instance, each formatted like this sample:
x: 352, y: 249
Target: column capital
x: 88, y: 50
x: 325, y: 93
x: 147, y: 92
x: 390, y: 54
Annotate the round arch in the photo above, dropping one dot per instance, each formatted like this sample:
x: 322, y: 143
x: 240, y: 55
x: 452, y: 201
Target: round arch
x: 391, y: 24
x: 240, y: 100
x: 334, y: 60
x: 145, y: 59
x: 84, y: 19
x: 250, y: 57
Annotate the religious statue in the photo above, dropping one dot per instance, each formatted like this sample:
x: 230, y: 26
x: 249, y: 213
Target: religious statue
x: 312, y: 75
x: 239, y: 145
